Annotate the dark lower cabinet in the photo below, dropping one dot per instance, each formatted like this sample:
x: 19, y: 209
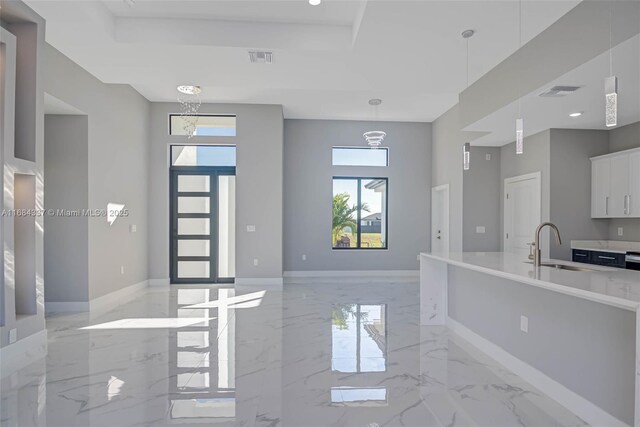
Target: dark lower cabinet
x: 608, y: 259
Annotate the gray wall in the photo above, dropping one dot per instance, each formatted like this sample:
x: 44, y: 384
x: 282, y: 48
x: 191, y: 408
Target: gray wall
x: 570, y: 195
x: 534, y: 159
x: 66, y: 263
x: 118, y: 160
x: 577, y: 342
x: 624, y: 138
x: 308, y: 190
x: 481, y: 201
x: 259, y: 184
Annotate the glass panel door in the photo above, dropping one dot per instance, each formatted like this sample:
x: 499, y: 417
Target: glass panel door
x: 202, y: 224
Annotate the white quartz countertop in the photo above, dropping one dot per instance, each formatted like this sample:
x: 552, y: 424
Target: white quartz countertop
x: 612, y: 286
x: 606, y: 246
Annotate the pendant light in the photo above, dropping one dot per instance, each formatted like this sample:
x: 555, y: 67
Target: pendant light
x: 466, y: 148
x: 611, y: 84
x: 519, y: 120
x: 374, y: 138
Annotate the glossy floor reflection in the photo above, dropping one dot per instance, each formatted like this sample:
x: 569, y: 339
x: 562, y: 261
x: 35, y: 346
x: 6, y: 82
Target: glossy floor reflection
x: 315, y: 354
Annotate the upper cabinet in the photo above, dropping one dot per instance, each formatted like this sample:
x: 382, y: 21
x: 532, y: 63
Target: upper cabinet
x: 615, y: 185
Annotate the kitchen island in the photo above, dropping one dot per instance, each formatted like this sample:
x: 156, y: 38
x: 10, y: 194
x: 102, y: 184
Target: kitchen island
x: 572, y: 334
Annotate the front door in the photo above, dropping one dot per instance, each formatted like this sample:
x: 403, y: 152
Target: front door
x: 202, y: 224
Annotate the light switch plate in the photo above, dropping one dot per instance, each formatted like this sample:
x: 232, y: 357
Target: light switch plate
x: 480, y: 229
x: 488, y: 157
x: 255, y: 261
x: 620, y: 231
x: 251, y: 228
x: 524, y: 324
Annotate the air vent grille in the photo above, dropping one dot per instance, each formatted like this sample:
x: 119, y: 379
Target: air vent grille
x: 559, y: 91
x: 260, y: 57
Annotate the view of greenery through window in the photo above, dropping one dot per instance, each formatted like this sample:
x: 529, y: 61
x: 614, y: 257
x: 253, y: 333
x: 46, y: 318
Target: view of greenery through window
x: 359, y: 213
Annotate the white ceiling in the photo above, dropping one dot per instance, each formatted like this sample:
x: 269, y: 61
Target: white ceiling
x: 329, y: 59
x: 549, y: 113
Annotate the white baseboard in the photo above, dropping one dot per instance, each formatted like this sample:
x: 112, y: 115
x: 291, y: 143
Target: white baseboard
x: 158, y: 282
x: 261, y: 281
x: 577, y: 404
x: 115, y: 298
x: 354, y: 273
x: 23, y: 352
x: 99, y: 304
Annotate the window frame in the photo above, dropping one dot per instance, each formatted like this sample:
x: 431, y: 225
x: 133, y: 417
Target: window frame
x: 359, y: 179
x: 355, y: 147
x: 171, y: 115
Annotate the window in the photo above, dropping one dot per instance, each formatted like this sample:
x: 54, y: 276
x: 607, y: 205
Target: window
x: 359, y: 213
x: 206, y: 125
x: 203, y: 155
x: 360, y: 156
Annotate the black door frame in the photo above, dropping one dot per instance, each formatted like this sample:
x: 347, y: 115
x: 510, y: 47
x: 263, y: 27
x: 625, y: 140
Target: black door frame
x: 213, y: 172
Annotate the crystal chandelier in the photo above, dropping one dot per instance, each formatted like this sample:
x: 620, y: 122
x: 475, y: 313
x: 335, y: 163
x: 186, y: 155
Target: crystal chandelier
x: 189, y: 98
x: 374, y: 137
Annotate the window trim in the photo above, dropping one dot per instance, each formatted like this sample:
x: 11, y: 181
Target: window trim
x: 355, y: 147
x: 359, y: 179
x: 171, y: 115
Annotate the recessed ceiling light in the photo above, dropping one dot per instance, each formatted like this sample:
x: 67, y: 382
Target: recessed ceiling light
x: 189, y: 89
x: 315, y: 2
x: 576, y: 114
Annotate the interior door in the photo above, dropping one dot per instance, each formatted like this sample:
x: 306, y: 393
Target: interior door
x: 202, y: 225
x: 522, y: 212
x: 440, y: 218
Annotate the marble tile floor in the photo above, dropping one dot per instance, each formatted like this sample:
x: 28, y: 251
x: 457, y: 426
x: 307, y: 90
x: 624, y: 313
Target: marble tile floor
x: 312, y: 354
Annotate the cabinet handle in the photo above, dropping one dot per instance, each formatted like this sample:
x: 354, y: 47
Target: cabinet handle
x: 580, y: 255
x: 606, y: 257
x: 606, y: 205
x: 626, y: 205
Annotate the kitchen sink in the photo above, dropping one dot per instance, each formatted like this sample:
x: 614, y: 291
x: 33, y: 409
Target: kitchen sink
x: 563, y: 266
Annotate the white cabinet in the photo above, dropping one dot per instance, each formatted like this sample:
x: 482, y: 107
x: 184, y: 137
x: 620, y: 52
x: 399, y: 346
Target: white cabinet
x: 615, y: 185
x: 600, y: 195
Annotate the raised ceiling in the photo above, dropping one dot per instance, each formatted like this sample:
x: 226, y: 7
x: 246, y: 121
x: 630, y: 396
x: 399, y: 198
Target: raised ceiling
x: 541, y: 113
x: 328, y: 59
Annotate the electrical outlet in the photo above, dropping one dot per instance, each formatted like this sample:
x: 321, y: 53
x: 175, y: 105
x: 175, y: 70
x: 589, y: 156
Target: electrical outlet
x: 480, y: 229
x: 620, y: 231
x: 133, y: 228
x: 13, y: 335
x: 488, y: 157
x: 304, y: 257
x: 255, y: 261
x: 524, y: 324
x: 122, y: 269
x: 251, y: 228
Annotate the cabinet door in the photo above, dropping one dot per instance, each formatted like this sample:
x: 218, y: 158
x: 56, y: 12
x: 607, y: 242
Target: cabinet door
x: 619, y: 186
x: 634, y: 185
x: 600, y: 185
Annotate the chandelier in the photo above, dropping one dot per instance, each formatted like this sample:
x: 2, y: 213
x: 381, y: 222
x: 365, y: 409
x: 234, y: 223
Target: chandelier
x: 374, y: 138
x: 189, y: 98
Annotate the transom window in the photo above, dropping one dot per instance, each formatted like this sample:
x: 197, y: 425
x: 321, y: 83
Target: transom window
x: 359, y: 156
x: 206, y: 124
x: 359, y: 213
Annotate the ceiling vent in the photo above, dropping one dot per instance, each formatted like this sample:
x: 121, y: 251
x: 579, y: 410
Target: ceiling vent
x: 559, y: 91
x: 260, y: 57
